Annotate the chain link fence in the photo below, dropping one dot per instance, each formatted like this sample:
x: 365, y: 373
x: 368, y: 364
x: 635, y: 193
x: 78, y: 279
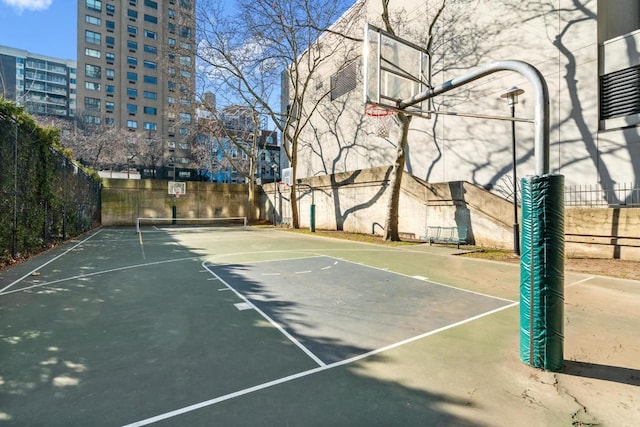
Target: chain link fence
x: 44, y: 196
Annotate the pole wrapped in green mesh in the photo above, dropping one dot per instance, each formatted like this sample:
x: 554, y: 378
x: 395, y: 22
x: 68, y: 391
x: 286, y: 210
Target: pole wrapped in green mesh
x: 542, y: 272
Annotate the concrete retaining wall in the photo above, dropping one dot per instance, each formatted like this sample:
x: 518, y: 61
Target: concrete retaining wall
x: 357, y: 202
x: 125, y: 200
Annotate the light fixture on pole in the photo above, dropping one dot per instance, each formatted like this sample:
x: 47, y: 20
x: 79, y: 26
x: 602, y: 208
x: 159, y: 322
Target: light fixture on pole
x: 511, y: 95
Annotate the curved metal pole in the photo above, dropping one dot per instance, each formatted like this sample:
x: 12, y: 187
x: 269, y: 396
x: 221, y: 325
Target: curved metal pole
x: 540, y: 90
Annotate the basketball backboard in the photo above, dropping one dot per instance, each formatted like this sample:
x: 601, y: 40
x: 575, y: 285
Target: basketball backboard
x: 177, y: 189
x: 394, y: 70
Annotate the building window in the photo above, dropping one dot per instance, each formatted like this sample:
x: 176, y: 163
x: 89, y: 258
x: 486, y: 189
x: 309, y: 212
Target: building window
x: 150, y: 18
x: 109, y: 57
x: 150, y: 3
x: 92, y: 37
x: 185, y: 118
x: 111, y: 9
x: 91, y: 104
x: 171, y: 42
x: 94, y: 53
x: 132, y: 30
x: 92, y: 71
x: 150, y: 110
x: 92, y: 20
x: 110, y: 25
x: 109, y: 121
x: 150, y: 95
x: 110, y: 73
x: 151, y: 80
x: 132, y: 108
x: 132, y: 14
x: 185, y: 60
x: 110, y: 90
x: 109, y: 106
x: 110, y: 41
x: 344, y: 81
x: 150, y: 49
x: 94, y: 5
x: 132, y: 76
x: 92, y: 86
x: 150, y: 126
x: 185, y: 32
x: 185, y: 74
x: 133, y: 61
x: 93, y: 120
x: 150, y: 64
x: 172, y: 27
x: 132, y: 46
x: 132, y: 92
x: 150, y: 34
x: 132, y: 124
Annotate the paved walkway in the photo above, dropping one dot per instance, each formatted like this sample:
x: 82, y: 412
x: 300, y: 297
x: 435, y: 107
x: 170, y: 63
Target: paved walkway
x: 271, y: 328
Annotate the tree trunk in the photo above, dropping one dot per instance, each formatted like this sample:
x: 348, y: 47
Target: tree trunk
x: 395, y: 181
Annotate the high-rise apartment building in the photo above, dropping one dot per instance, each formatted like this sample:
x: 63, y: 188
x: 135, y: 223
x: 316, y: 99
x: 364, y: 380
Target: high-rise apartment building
x: 136, y: 65
x: 42, y: 84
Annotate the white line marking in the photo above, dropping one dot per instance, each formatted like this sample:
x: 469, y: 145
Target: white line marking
x: 48, y: 262
x: 223, y: 289
x: 303, y: 272
x: 303, y: 374
x: 430, y: 281
x: 581, y: 281
x: 418, y: 277
x: 271, y: 274
x: 212, y: 278
x: 95, y: 273
x: 241, y: 306
x: 270, y: 320
x: 326, y: 268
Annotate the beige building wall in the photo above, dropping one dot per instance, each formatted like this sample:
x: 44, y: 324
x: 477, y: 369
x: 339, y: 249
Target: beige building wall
x: 560, y: 38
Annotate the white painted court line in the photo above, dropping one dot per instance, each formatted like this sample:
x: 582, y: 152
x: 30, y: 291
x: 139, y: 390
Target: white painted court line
x: 430, y: 281
x: 306, y: 373
x: 581, y: 281
x: 242, y: 306
x: 270, y: 320
x: 95, y: 273
x: 2, y: 291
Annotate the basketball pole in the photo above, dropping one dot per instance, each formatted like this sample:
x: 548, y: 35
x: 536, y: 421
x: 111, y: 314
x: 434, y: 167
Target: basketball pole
x: 542, y: 260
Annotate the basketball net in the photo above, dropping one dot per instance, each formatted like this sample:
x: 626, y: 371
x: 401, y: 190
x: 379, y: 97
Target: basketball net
x: 381, y: 118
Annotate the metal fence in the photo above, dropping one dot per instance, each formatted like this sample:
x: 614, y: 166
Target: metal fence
x: 591, y: 196
x: 44, y: 197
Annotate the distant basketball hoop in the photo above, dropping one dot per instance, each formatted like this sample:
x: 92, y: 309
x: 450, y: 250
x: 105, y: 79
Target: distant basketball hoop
x: 381, y: 119
x: 177, y: 189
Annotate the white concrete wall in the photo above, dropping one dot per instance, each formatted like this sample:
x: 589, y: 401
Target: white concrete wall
x: 557, y: 37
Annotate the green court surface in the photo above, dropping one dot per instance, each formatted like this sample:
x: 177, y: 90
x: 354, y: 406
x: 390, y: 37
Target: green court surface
x: 236, y: 327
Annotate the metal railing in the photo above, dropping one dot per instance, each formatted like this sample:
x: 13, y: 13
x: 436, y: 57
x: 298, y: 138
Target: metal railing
x: 592, y: 195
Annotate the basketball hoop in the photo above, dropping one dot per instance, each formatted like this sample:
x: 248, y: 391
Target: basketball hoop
x: 381, y: 118
x: 283, y: 187
x: 177, y: 192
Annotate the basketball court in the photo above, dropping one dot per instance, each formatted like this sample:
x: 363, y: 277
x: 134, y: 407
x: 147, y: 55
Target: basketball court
x: 242, y: 326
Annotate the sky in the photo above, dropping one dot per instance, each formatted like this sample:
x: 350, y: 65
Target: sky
x: 45, y: 27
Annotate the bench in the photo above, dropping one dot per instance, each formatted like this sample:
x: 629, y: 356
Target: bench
x: 453, y: 235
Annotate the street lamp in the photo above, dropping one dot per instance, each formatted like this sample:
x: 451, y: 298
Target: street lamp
x: 511, y: 95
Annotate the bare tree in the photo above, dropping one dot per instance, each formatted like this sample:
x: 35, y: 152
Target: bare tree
x: 267, y: 45
x: 395, y: 180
